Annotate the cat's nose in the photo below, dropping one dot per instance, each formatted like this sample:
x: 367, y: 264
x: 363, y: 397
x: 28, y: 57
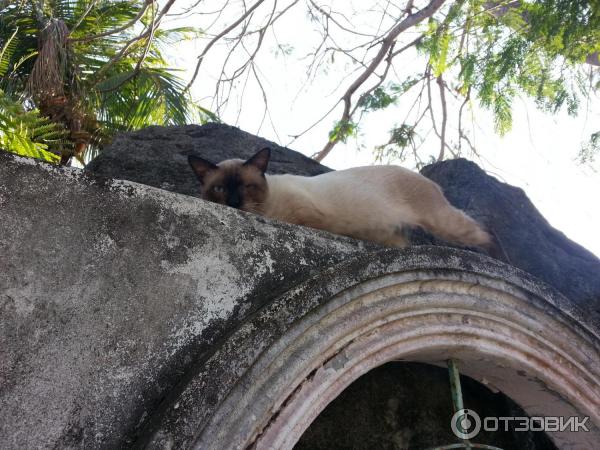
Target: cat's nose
x: 234, y: 201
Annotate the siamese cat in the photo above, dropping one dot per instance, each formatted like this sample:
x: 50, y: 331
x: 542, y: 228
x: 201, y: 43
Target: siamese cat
x: 372, y: 203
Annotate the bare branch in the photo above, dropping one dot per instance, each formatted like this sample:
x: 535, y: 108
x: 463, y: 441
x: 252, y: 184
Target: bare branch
x: 332, y: 19
x: 407, y: 46
x: 84, y: 15
x: 214, y: 40
x: 152, y: 28
x: 379, y: 83
x: 314, y: 124
x: 386, y: 44
x: 248, y: 64
x: 147, y: 34
x: 442, y: 87
x: 429, y: 103
x: 200, y: 13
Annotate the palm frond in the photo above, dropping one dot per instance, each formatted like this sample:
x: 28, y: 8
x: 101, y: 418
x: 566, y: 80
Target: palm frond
x: 88, y: 66
x: 7, y: 50
x: 27, y: 133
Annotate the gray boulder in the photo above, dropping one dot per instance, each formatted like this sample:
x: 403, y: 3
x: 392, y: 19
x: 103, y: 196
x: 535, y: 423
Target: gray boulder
x: 157, y: 156
x: 526, y: 238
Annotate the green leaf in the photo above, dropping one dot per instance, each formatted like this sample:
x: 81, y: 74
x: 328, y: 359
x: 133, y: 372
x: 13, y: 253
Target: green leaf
x: 342, y: 130
x: 502, y: 112
x: 590, y: 150
x: 440, y: 56
x: 6, y: 51
x: 28, y: 134
x: 378, y: 99
x: 467, y: 72
x: 403, y: 135
x: 115, y: 81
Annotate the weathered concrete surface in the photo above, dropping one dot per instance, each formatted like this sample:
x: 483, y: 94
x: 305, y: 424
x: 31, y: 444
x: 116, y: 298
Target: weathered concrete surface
x: 129, y: 315
x: 157, y: 156
x: 422, y: 304
x: 111, y: 292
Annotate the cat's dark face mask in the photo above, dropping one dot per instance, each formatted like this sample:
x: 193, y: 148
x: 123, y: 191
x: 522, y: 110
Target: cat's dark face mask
x: 236, y: 183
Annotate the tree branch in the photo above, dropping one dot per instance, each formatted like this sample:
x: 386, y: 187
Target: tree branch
x: 214, y: 40
x: 386, y: 44
x: 148, y: 34
x: 440, y: 83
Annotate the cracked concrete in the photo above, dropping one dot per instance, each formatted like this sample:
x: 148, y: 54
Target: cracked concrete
x: 133, y: 317
x: 110, y: 291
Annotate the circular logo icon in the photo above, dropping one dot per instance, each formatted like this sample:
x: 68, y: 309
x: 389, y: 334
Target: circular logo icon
x: 465, y: 424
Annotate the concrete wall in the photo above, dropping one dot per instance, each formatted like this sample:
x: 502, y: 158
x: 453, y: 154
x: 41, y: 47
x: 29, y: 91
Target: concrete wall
x: 136, y: 317
x: 111, y: 291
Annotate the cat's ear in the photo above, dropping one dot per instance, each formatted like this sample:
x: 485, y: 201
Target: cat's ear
x: 260, y: 160
x: 201, y: 166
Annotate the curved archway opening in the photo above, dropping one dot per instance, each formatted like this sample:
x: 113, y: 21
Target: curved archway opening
x: 403, y: 405
x: 513, y: 341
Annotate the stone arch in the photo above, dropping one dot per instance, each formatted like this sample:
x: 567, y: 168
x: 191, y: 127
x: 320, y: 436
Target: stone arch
x: 271, y: 377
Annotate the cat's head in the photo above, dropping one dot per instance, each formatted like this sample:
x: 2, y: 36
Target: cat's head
x: 234, y: 182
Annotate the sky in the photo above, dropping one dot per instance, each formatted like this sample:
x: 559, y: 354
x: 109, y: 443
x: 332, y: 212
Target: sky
x: 538, y: 154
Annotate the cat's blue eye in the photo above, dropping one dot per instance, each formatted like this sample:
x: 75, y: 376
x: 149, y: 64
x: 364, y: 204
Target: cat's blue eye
x: 218, y: 189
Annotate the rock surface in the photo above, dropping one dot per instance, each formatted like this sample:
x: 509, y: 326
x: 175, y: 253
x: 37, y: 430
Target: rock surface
x: 157, y: 156
x: 528, y: 241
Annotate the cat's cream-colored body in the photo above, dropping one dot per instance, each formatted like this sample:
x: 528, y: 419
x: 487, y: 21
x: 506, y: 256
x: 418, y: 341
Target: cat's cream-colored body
x: 372, y: 203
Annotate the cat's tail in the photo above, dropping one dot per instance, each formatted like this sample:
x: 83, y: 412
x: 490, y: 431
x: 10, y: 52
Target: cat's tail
x: 453, y: 225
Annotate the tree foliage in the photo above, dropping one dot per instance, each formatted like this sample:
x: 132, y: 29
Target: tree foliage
x: 93, y: 67
x: 27, y: 133
x: 472, y: 52
x: 98, y: 66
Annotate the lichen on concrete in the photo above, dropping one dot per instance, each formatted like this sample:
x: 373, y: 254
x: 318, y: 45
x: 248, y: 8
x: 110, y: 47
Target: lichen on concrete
x: 109, y: 299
